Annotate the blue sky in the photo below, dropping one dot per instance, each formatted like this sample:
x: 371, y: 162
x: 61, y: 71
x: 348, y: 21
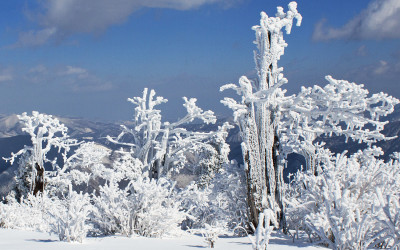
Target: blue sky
x: 85, y: 58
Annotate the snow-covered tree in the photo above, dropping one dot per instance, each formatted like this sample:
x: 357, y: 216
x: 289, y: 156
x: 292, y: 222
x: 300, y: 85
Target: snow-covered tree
x: 47, y: 133
x: 273, y: 125
x: 161, y: 146
x: 258, y: 113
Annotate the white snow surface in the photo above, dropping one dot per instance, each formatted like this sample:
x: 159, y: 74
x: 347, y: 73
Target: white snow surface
x: 19, y: 240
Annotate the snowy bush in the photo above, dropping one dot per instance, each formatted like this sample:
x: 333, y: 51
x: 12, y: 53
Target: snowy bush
x: 211, y: 232
x: 65, y: 217
x: 131, y: 203
x: 30, y: 213
x: 196, y: 202
x: 344, y: 205
x: 229, y: 194
x: 222, y: 201
x: 155, y: 210
x: 70, y: 216
x: 388, y: 221
x: 113, y: 210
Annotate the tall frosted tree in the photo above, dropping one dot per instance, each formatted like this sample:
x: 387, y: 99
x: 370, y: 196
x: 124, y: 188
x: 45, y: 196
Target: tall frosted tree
x: 258, y: 113
x: 47, y: 133
x: 273, y: 125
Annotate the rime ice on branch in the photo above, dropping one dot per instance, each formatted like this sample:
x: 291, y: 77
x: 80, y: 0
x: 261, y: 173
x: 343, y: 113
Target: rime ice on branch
x: 161, y: 146
x: 273, y: 125
x: 339, y: 108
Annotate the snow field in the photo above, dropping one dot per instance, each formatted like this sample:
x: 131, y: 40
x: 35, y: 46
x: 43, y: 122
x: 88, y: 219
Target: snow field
x: 11, y: 239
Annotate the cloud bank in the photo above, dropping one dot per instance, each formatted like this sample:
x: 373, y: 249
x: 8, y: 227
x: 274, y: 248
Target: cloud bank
x: 60, y: 19
x: 69, y: 77
x: 380, y: 20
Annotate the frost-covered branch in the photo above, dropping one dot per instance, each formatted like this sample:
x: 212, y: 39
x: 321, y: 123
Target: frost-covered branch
x: 161, y: 146
x: 339, y: 108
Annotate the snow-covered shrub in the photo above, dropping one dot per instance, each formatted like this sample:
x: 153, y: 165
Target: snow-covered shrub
x: 263, y: 231
x: 70, y: 216
x: 113, y: 210
x: 30, y: 213
x: 156, y: 212
x: 125, y: 166
x: 388, y: 220
x: 229, y: 194
x: 113, y: 201
x: 340, y: 204
x: 196, y: 201
x: 209, y: 159
x: 143, y: 206
x: 222, y: 201
x: 211, y: 232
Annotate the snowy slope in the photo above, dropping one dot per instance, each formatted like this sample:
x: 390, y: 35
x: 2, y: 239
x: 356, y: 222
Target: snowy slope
x: 21, y: 240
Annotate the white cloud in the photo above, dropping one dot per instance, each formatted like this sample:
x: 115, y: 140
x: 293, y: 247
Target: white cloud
x: 34, y: 38
x: 380, y: 20
x: 378, y: 72
x: 71, y: 70
x: 362, y: 51
x: 79, y: 79
x: 38, y: 74
x: 72, y: 78
x: 381, y: 68
x: 38, y: 69
x: 6, y: 74
x: 67, y: 78
x: 62, y: 18
x: 6, y: 77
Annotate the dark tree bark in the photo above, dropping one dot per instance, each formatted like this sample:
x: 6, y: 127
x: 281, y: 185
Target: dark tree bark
x: 39, y: 180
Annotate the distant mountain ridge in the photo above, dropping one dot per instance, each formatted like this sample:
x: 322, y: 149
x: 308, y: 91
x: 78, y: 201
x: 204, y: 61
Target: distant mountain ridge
x: 83, y: 129
x: 9, y: 126
x: 77, y: 127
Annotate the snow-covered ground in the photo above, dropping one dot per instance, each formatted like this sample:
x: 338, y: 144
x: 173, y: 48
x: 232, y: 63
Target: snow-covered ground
x: 20, y: 240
